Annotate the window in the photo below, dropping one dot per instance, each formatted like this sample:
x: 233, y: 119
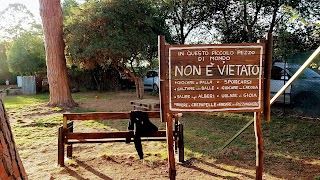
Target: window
x: 277, y: 73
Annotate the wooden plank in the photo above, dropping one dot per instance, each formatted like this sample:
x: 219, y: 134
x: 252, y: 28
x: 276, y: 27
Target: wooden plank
x: 103, y: 135
x: 259, y: 145
x: 97, y: 116
x: 105, y: 115
x: 108, y: 140
x: 171, y: 163
x: 65, y: 122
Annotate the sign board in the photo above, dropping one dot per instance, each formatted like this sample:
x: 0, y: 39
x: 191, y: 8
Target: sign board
x: 215, y: 78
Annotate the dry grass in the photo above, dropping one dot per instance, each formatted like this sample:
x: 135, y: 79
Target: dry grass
x: 291, y: 144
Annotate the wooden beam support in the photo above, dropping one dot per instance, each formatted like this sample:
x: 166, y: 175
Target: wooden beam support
x: 162, y: 76
x: 61, y: 146
x: 171, y: 163
x: 69, y: 146
x: 259, y: 145
x: 181, y: 144
x: 267, y: 78
x: 108, y: 140
x: 105, y: 115
x: 117, y: 134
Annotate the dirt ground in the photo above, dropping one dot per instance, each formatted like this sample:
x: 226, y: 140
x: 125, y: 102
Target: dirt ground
x: 120, y: 160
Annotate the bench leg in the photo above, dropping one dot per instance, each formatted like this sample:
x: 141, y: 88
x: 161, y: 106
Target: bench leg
x: 176, y: 135
x: 60, y: 147
x: 69, y: 151
x: 69, y: 146
x: 181, y: 144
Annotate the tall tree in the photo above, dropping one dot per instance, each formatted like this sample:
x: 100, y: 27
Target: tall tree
x: 11, y: 166
x: 52, y: 20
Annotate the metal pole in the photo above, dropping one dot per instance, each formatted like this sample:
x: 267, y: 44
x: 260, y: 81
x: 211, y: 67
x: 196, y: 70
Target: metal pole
x: 237, y: 134
x: 303, y: 67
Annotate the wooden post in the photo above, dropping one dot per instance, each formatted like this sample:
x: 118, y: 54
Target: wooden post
x: 267, y: 75
x: 181, y: 144
x: 176, y: 134
x: 61, y: 146
x: 259, y: 145
x: 65, y: 123
x: 162, y: 66
x: 171, y: 160
x: 69, y: 150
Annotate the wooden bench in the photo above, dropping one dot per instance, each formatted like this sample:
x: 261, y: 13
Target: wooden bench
x: 146, y: 104
x: 67, y: 137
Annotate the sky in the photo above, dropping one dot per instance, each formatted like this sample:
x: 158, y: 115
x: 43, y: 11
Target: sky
x: 32, y: 5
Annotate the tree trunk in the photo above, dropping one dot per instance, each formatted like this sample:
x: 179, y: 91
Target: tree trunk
x: 52, y: 19
x: 11, y: 166
x: 139, y: 87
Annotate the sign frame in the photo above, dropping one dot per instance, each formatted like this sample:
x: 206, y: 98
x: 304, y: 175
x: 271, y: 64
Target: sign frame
x: 168, y: 79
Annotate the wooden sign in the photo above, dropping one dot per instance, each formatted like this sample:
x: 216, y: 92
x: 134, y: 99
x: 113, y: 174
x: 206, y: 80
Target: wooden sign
x: 215, y: 78
x: 209, y: 78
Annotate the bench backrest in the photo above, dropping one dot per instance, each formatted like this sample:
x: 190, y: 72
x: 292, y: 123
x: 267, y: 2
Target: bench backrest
x: 102, y: 116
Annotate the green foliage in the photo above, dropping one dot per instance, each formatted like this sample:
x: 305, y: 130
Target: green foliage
x: 119, y: 32
x: 248, y: 21
x: 297, y: 46
x: 185, y: 17
x: 26, y: 54
x: 4, y: 70
x: 286, y: 45
x: 19, y: 102
x: 67, y: 7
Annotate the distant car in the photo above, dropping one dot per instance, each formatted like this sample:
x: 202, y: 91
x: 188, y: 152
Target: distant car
x: 151, y: 81
x: 125, y: 81
x: 304, y: 93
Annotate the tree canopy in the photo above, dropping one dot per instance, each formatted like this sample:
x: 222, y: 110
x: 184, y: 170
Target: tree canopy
x: 26, y: 54
x: 185, y: 17
x: 118, y: 32
x: 4, y: 70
